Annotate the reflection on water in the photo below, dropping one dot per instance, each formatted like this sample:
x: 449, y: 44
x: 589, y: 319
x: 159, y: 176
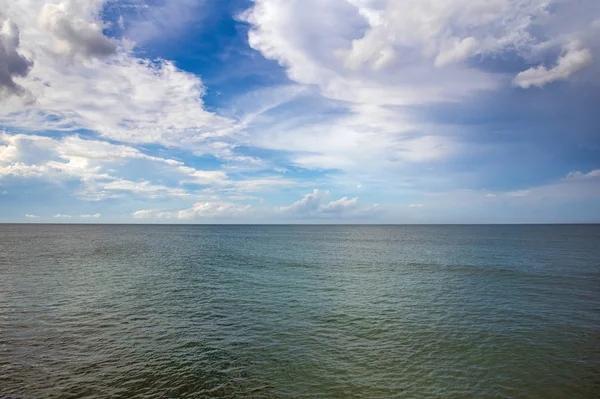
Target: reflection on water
x: 299, y: 311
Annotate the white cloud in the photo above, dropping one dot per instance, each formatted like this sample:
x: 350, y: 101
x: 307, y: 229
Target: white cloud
x: 364, y: 61
x: 371, y: 58
x: 61, y: 216
x: 324, y: 51
x: 23, y: 171
x: 94, y: 216
x: 375, y: 56
x: 339, y: 206
x: 200, y: 210
x: 370, y: 139
x: 386, y: 52
x: 577, y: 175
x: 76, y: 86
x: 75, y: 30
x: 309, y: 203
x: 213, y: 209
x: 99, y: 168
x: 30, y: 216
x: 574, y: 58
x: 144, y: 213
x: 519, y: 193
x: 313, y: 204
x: 457, y: 51
x: 416, y: 205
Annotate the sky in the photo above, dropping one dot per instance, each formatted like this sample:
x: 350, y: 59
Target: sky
x: 300, y: 111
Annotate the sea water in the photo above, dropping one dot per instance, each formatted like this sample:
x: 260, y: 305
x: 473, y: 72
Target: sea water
x: 100, y: 311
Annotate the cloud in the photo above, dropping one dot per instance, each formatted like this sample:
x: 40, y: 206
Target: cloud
x: 313, y: 204
x: 100, y: 167
x: 75, y: 30
x: 520, y: 193
x: 83, y: 80
x: 61, y: 216
x: 367, y: 140
x: 309, y: 203
x: 213, y: 209
x: 574, y: 58
x: 12, y: 64
x: 578, y: 175
x: 339, y: 206
x: 144, y: 213
x: 162, y: 21
x: 416, y: 205
x: 30, y: 216
x: 376, y: 61
x: 326, y: 51
x: 575, y: 187
x: 200, y: 210
x: 459, y: 50
x: 387, y: 52
x: 370, y: 67
x: 367, y: 82
x: 94, y: 216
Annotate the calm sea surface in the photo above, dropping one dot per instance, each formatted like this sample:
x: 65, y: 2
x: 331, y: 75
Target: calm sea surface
x: 299, y: 311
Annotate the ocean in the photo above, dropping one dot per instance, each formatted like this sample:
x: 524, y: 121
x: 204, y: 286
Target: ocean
x: 135, y: 311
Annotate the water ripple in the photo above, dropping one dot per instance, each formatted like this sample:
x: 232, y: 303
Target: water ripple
x: 299, y: 311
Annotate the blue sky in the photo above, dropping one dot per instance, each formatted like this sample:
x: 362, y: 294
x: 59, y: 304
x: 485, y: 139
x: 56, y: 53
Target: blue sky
x: 281, y: 111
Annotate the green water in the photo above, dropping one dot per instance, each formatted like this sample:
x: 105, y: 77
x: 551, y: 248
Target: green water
x: 299, y: 311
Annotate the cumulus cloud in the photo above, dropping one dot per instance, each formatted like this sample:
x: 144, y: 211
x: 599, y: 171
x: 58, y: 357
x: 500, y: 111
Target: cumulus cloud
x: 339, y: 206
x: 309, y: 203
x: 314, y: 204
x: 414, y: 36
x: 61, y: 216
x: 30, y: 216
x: 83, y: 80
x: 12, y: 64
x: 574, y: 58
x: 144, y: 213
x: 75, y: 30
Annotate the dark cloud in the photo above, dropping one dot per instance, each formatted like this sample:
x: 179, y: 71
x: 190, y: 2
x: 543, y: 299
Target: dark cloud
x: 12, y: 64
